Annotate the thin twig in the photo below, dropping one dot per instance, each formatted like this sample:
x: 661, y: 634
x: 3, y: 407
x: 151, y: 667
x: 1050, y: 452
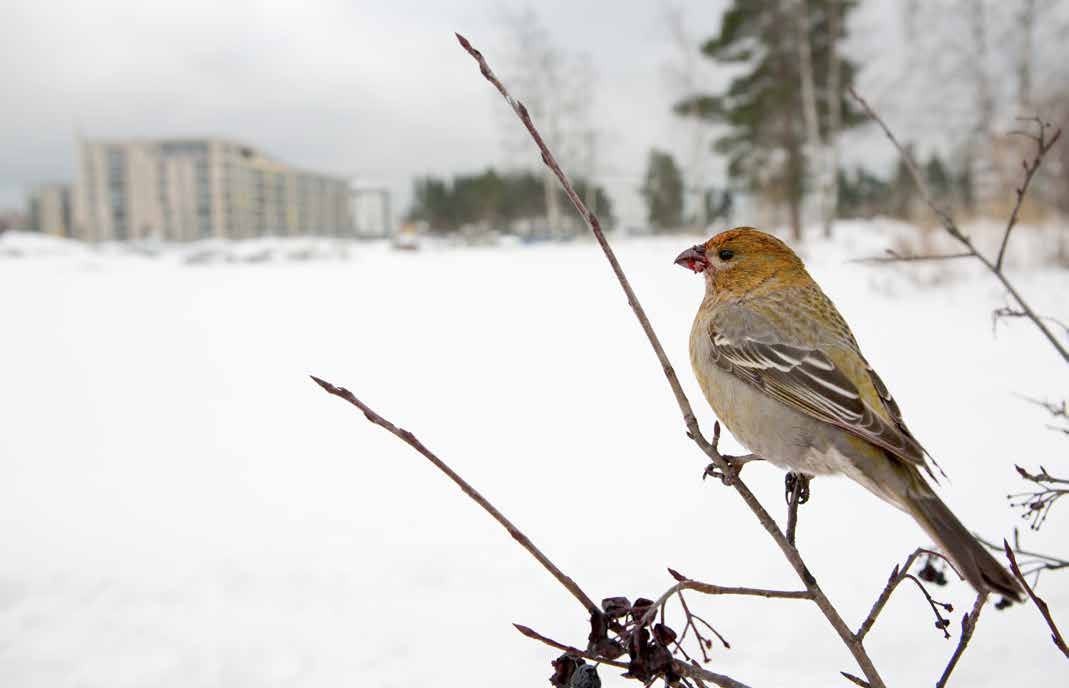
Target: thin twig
x: 684, y: 583
x: 1043, y: 145
x: 1037, y: 503
x: 1041, y: 605
x: 899, y: 574
x: 968, y: 625
x: 1047, y: 561
x: 767, y: 522
x: 535, y: 635
x: 896, y: 257
x: 940, y: 621
x: 855, y: 680
x: 515, y: 532
x: 1029, y: 171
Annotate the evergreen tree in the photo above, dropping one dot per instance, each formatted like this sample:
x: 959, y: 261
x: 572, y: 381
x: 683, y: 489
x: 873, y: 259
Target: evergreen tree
x: 903, y: 192
x: 938, y: 179
x: 762, y: 105
x: 663, y: 191
x: 491, y: 199
x: 863, y: 196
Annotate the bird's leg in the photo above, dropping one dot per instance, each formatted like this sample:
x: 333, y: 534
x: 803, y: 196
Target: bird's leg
x: 797, y: 487
x: 735, y: 464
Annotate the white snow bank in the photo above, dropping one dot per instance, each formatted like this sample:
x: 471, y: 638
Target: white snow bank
x: 180, y: 505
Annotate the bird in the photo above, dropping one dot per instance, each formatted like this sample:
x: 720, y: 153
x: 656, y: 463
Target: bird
x: 783, y: 372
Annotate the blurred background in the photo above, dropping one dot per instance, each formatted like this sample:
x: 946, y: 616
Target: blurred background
x: 201, y: 203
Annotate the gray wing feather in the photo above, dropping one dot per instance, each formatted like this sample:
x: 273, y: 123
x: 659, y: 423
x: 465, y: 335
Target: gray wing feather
x: 805, y: 378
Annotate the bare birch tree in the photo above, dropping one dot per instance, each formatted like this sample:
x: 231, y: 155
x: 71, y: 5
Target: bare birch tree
x: 814, y: 144
x: 830, y: 186
x: 557, y: 86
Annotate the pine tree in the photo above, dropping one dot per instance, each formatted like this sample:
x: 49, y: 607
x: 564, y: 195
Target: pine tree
x: 663, y: 191
x: 903, y: 191
x: 938, y: 179
x: 763, y: 106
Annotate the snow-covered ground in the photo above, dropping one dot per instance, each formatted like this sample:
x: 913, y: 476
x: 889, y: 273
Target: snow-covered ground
x: 181, y: 506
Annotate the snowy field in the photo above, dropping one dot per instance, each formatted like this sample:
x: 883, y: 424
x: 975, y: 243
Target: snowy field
x: 181, y: 506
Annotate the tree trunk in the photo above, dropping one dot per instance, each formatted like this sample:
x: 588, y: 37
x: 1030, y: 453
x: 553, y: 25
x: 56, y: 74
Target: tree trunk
x: 549, y: 184
x: 794, y: 184
x: 814, y: 147
x: 1026, y: 23
x: 830, y: 186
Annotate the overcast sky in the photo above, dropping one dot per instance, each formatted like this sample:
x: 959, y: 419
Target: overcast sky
x: 372, y: 89
x: 378, y: 90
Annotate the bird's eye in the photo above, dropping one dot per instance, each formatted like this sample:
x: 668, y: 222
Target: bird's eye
x: 726, y: 254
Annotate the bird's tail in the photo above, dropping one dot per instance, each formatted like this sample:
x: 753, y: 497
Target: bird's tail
x: 975, y: 561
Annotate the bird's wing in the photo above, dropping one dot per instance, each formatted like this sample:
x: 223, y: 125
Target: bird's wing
x: 815, y: 383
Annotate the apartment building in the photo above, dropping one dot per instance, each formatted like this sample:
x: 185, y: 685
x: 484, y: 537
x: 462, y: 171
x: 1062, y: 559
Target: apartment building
x: 186, y: 189
x: 50, y: 210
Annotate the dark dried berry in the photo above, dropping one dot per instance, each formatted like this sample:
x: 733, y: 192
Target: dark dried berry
x: 640, y: 607
x: 664, y: 635
x: 615, y: 607
x: 563, y: 668
x: 585, y: 676
x: 931, y: 574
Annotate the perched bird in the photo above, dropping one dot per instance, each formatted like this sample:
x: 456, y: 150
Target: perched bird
x: 783, y: 372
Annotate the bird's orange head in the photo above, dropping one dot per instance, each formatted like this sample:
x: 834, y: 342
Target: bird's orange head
x: 741, y: 260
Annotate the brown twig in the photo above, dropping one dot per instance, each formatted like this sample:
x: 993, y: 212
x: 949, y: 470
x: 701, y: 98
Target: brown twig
x: 515, y: 532
x: 1037, y: 503
x: 968, y: 625
x: 1038, y: 563
x: 684, y: 583
x: 855, y: 680
x: 535, y: 635
x: 896, y: 257
x: 1043, y: 146
x: 899, y: 574
x: 1030, y: 169
x: 693, y: 431
x: 1041, y: 605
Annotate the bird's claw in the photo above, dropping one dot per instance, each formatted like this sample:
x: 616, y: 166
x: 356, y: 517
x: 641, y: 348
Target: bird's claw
x: 734, y: 467
x: 727, y: 477
x: 793, y: 480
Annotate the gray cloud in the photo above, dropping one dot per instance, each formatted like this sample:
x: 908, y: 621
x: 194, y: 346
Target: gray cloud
x: 375, y: 89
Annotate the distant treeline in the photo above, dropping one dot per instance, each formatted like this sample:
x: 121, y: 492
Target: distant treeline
x: 506, y: 202
x: 864, y: 194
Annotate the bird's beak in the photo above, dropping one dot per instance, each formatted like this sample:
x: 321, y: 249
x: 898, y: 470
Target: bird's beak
x: 693, y: 259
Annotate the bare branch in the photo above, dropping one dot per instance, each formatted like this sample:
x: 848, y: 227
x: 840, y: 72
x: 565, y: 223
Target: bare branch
x: 1037, y: 503
x: 899, y: 574
x: 693, y: 431
x: 968, y: 625
x: 535, y: 635
x: 1043, y: 145
x: 710, y: 589
x: 940, y: 621
x: 896, y: 257
x: 1030, y: 168
x: 1041, y: 605
x: 1037, y: 563
x: 914, y: 171
x: 515, y: 532
x: 855, y: 680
